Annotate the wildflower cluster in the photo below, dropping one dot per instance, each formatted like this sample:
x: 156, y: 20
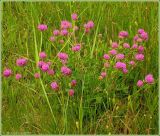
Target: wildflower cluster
x: 46, y: 67
x: 148, y: 80
x: 21, y: 62
x: 121, y: 56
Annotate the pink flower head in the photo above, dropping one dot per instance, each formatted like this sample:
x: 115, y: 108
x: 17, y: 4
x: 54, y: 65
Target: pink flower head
x: 21, y: 62
x: 140, y: 31
x: 90, y: 24
x: 103, y: 74
x: 139, y: 40
x: 49, y: 63
x: 135, y: 46
x: 135, y: 38
x: 87, y: 30
x: 45, y: 67
x: 73, y: 83
x: 71, y: 33
x: 132, y: 63
x: 52, y: 38
x: 42, y: 27
x: 120, y: 65
x: 18, y: 76
x: 139, y: 57
x: 144, y: 36
x: 126, y: 45
x: 106, y: 65
x: 66, y: 71
x: 56, y: 32
x: 64, y: 62
x: 71, y: 92
x: 42, y: 55
x: 123, y: 34
x: 74, y: 16
x: 65, y: 24
x: 64, y: 32
x: 140, y: 83
x: 55, y: 86
x: 149, y: 79
x: 7, y: 72
x: 37, y: 75
x: 140, y: 49
x: 120, y: 56
x: 75, y: 28
x: 61, y: 41
x: 114, y: 45
x: 106, y: 56
x: 62, y: 56
x: 125, y: 71
x: 40, y: 64
x: 113, y: 52
x: 76, y: 47
x: 85, y: 26
x: 51, y: 72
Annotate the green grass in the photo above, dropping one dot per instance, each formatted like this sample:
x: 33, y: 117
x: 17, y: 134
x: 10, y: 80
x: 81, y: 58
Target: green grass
x: 110, y: 106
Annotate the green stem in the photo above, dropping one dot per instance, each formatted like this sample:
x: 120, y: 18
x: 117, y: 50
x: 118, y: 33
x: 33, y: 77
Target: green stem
x: 81, y: 110
x: 43, y: 88
x: 66, y: 128
x: 44, y: 91
x: 95, y: 38
x: 41, y: 42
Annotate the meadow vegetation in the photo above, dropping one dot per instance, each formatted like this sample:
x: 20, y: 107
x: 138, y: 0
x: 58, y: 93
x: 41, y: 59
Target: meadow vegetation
x: 80, y: 68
